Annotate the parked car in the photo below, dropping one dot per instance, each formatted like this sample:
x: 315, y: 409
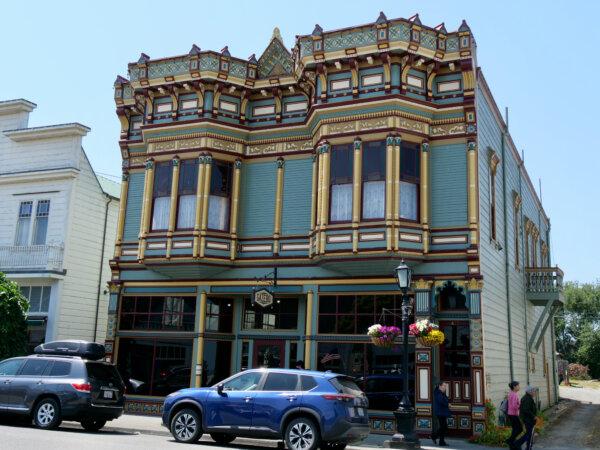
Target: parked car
x: 307, y: 409
x: 63, y: 380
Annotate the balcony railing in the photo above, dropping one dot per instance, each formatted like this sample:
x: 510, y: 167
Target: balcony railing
x: 544, y: 279
x: 19, y: 258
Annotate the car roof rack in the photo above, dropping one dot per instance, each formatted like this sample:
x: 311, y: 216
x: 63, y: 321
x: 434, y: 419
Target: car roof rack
x: 83, y: 349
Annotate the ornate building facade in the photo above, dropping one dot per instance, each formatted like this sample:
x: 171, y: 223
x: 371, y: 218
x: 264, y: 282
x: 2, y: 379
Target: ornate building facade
x: 330, y: 163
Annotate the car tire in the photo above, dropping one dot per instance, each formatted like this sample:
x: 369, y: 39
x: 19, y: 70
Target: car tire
x: 302, y: 433
x: 222, y: 438
x: 46, y: 414
x: 186, y: 426
x: 93, y: 424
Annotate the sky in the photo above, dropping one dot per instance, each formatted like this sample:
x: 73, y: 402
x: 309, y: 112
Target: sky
x: 539, y: 58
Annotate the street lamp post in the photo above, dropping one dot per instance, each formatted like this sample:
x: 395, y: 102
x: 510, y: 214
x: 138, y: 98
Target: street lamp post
x: 405, y: 436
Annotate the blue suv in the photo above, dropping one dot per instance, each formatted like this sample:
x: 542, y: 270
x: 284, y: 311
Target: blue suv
x: 307, y: 409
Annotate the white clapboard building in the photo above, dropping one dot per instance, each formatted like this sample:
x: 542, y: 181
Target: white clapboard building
x: 57, y: 225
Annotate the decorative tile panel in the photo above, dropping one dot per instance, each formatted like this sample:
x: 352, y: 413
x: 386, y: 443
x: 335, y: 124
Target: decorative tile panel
x: 476, y: 336
x: 209, y: 62
x: 350, y: 39
x: 169, y: 67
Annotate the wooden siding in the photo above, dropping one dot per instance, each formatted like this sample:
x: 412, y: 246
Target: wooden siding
x: 448, y: 174
x: 297, y: 197
x: 257, y: 199
x: 133, y: 216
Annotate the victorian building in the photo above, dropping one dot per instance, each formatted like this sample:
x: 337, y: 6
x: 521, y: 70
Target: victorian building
x: 331, y: 163
x: 57, y: 226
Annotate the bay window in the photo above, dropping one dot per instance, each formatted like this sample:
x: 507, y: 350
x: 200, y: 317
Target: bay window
x: 373, y: 180
x: 161, y: 196
x: 220, y: 195
x: 409, y: 180
x: 342, y: 166
x: 186, y: 206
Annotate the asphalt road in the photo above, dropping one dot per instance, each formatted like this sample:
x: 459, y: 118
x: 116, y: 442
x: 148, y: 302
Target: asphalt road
x: 17, y: 436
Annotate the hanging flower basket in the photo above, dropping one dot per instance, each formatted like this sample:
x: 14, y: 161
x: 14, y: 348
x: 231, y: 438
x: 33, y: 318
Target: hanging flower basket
x: 383, y: 336
x: 426, y: 333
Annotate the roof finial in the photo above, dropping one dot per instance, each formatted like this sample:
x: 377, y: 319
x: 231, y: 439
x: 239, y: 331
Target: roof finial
x: 415, y: 19
x: 441, y: 28
x: 318, y: 31
x: 277, y: 35
x: 194, y: 51
x: 225, y: 51
x: 143, y: 58
x: 464, y: 26
x: 381, y: 19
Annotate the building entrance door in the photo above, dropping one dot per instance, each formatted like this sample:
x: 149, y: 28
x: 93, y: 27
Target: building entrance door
x: 269, y: 353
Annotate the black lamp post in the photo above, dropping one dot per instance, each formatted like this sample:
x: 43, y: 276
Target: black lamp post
x: 405, y: 436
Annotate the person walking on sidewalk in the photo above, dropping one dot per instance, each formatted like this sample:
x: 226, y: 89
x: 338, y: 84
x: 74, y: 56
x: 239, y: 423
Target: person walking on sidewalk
x: 527, y: 412
x: 514, y: 402
x: 441, y: 408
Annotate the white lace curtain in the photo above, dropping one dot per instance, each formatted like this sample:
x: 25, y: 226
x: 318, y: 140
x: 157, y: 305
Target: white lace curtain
x: 408, y: 200
x: 373, y: 204
x: 160, y: 215
x: 186, y: 213
x: 218, y: 212
x: 341, y: 202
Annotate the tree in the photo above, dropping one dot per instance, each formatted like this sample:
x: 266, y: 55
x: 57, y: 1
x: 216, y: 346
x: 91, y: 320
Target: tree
x: 577, y: 325
x: 13, y: 319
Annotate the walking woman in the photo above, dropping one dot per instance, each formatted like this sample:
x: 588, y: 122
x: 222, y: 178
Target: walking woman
x: 441, y: 408
x: 514, y: 403
x: 527, y: 412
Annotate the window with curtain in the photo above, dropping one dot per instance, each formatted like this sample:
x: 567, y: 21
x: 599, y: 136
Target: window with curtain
x: 410, y: 180
x: 373, y: 180
x: 186, y: 207
x: 23, y: 223
x: 220, y: 195
x: 341, y: 183
x: 161, y: 196
x: 41, y: 222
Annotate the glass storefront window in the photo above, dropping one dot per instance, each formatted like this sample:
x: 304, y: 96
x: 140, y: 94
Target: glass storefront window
x: 281, y: 315
x: 219, y: 315
x: 378, y: 370
x: 158, y: 313
x: 454, y: 352
x: 354, y: 314
x: 155, y: 366
x: 293, y: 355
x: 217, y: 361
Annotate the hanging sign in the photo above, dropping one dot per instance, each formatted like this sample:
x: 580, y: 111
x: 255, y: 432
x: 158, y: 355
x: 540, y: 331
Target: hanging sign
x: 263, y: 298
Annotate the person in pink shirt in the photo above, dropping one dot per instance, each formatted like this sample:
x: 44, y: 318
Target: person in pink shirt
x: 514, y: 402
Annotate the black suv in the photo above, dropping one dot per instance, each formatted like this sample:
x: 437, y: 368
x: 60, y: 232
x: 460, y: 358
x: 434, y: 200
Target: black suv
x: 64, y: 380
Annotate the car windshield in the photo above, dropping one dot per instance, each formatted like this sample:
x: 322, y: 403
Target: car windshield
x: 103, y: 372
x: 346, y: 385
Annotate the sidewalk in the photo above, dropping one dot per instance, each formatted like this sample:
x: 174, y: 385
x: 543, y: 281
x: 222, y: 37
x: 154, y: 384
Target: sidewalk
x: 130, y: 423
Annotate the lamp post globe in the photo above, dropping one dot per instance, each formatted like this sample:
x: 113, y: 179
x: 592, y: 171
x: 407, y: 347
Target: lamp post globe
x: 403, y: 276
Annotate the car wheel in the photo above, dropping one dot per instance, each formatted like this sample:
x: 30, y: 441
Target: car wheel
x: 92, y: 424
x: 186, y: 426
x: 46, y: 414
x: 222, y: 438
x: 302, y: 434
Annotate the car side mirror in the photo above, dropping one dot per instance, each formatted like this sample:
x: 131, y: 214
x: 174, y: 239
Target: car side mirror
x: 220, y: 388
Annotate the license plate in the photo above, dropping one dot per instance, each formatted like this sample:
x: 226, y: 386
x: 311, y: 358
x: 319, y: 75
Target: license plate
x: 108, y: 394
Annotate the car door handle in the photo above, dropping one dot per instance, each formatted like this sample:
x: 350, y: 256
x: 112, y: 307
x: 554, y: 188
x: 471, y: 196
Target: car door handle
x: 292, y: 398
x: 7, y: 381
x: 247, y: 399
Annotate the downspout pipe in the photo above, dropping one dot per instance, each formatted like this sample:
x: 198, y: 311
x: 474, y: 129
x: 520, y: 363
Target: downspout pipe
x: 101, y: 265
x: 506, y: 262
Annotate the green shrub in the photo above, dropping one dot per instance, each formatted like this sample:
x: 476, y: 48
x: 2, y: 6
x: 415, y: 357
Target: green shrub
x: 493, y: 435
x: 579, y: 372
x: 13, y: 319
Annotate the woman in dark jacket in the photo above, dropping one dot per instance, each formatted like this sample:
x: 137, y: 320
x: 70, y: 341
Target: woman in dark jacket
x: 441, y: 409
x: 527, y: 413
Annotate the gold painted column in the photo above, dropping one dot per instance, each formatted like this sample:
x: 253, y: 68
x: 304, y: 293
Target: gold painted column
x: 389, y: 189
x: 308, y: 333
x: 473, y: 207
x: 424, y: 194
x: 173, y: 206
x: 200, y: 344
x: 314, y: 202
x: 122, y: 212
x: 146, y: 207
x: 205, y: 198
x: 198, y: 212
x: 325, y: 195
x: 396, y: 193
x: 278, y: 205
x: 235, y: 202
x: 356, y: 192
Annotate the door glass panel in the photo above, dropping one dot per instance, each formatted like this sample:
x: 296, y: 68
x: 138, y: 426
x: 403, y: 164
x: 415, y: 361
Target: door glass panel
x: 34, y: 367
x: 10, y: 368
x: 268, y: 355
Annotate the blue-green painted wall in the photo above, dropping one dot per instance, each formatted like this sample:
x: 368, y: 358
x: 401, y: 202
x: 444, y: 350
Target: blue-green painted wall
x: 448, y: 175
